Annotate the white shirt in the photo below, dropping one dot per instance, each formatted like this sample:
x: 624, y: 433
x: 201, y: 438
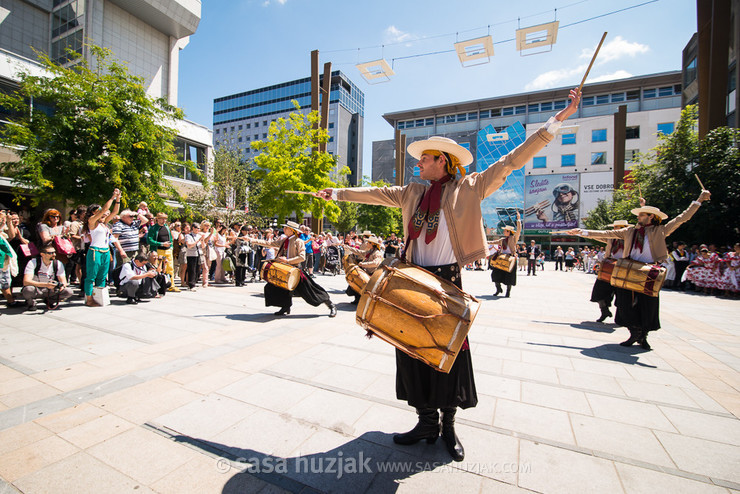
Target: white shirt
x: 644, y: 255
x: 100, y: 236
x: 46, y: 273
x: 130, y: 270
x: 436, y: 253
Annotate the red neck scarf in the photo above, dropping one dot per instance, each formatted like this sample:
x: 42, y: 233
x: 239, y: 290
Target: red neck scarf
x: 428, y: 211
x: 284, y: 248
x: 639, y: 239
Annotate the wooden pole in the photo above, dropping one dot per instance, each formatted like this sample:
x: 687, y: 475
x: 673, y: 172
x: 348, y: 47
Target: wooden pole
x: 592, y: 62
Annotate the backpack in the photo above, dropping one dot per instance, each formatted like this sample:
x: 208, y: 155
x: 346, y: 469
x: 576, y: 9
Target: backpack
x: 115, y: 275
x: 38, y: 268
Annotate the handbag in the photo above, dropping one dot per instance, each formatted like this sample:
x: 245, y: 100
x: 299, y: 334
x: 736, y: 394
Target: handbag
x: 64, y: 246
x: 101, y: 296
x: 211, y: 254
x: 29, y: 250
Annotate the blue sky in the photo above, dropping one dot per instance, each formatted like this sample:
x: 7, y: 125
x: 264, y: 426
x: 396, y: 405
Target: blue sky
x: 246, y: 44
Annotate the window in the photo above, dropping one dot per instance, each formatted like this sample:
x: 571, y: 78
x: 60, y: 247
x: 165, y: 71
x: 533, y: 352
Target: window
x: 485, y: 114
x: 420, y: 122
x: 240, y: 139
x: 533, y: 108
x: 631, y: 155
x: 331, y: 125
x: 509, y: 110
x: 539, y: 162
x: 546, y: 106
x: 665, y: 91
x: 520, y: 110
x: 632, y: 132
x: 256, y: 124
x: 568, y: 160
x: 617, y: 97
x: 598, y: 135
x: 462, y: 117
x: 473, y: 115
x: 449, y: 118
x: 249, y: 125
x: 598, y: 158
x: 602, y: 99
x: 569, y: 138
x: 256, y: 136
x: 666, y: 128
x: 264, y: 123
x: 559, y: 105
x: 429, y: 121
x: 400, y: 125
x: 217, y: 131
x: 648, y: 93
x: 240, y: 127
x: 496, y: 112
x: 232, y: 128
x: 633, y: 95
x: 588, y: 100
x: 690, y: 72
x: 264, y: 136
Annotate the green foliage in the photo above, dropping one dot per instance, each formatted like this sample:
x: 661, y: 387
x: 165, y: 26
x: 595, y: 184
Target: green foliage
x: 289, y: 160
x: 226, y: 195
x: 380, y: 220
x: 101, y: 131
x: 666, y: 178
x: 347, y: 219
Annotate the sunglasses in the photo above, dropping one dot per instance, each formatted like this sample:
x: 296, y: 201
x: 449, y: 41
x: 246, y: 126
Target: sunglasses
x: 52, y: 253
x: 54, y: 216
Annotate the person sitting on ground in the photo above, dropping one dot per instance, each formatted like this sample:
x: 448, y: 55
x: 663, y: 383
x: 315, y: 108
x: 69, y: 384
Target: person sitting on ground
x: 136, y: 281
x: 160, y: 265
x: 44, y: 278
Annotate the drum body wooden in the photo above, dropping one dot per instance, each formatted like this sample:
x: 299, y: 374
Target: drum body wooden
x: 419, y: 313
x: 504, y: 262
x: 606, y: 268
x: 638, y: 277
x: 282, y: 275
x: 357, y: 278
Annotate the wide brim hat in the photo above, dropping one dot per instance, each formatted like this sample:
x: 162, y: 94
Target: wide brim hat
x: 366, y: 233
x: 293, y: 225
x: 620, y: 223
x: 372, y: 239
x: 510, y: 228
x: 650, y: 210
x: 442, y: 144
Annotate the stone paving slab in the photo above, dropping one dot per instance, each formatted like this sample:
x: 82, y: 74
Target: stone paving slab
x: 207, y: 391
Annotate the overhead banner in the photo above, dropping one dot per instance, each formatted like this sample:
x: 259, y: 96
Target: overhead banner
x: 595, y: 186
x: 551, y: 202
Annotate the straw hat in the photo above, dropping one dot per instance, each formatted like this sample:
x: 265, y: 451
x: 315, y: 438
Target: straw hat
x: 441, y: 144
x: 374, y: 240
x: 510, y: 228
x: 650, y: 210
x: 293, y: 225
x: 366, y: 233
x: 619, y: 223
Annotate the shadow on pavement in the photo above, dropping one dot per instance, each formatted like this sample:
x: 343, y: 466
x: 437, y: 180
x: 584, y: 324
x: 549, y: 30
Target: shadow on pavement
x: 356, y: 466
x: 608, y: 351
x: 588, y: 325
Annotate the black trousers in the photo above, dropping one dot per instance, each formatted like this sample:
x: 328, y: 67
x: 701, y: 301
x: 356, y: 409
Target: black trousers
x: 531, y: 266
x: 307, y: 289
x: 558, y: 262
x: 193, y: 270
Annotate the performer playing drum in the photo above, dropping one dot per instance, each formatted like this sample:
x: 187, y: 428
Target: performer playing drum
x: 508, y: 246
x: 603, y: 292
x: 291, y: 250
x: 443, y: 225
x: 371, y: 253
x: 644, y: 242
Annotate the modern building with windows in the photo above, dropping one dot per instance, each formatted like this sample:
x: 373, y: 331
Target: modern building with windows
x: 581, y: 155
x: 242, y: 118
x: 145, y: 34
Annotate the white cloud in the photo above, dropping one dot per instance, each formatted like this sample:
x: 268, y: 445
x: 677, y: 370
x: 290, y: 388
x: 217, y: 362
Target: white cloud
x: 555, y: 78
x: 394, y: 35
x: 267, y: 3
x: 615, y: 49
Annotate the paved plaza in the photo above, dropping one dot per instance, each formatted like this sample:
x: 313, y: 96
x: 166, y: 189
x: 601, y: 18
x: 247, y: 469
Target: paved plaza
x: 207, y: 392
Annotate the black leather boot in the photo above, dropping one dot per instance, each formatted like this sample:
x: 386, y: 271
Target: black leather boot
x: 605, y: 312
x: 634, y: 337
x: 427, y: 428
x: 454, y: 447
x: 332, y: 309
x: 498, y: 290
x: 508, y: 291
x: 283, y: 312
x: 643, y: 341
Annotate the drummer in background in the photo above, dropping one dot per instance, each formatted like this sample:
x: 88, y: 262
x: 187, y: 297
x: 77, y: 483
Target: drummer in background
x: 644, y: 242
x: 291, y: 250
x: 603, y: 292
x: 372, y: 256
x: 508, y: 246
x: 443, y: 225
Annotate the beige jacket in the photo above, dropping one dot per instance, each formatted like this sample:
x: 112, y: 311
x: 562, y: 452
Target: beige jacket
x: 656, y: 234
x: 370, y: 265
x: 461, y: 198
x: 296, y: 248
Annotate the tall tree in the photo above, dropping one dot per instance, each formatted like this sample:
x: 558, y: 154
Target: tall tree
x: 81, y: 131
x: 289, y: 160
x: 227, y: 194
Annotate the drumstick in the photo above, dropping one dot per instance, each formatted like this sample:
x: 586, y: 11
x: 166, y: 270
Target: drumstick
x: 560, y: 232
x: 592, y: 62
x: 300, y: 192
x: 700, y: 184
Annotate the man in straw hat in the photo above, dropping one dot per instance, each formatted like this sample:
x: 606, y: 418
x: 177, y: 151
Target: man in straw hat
x: 292, y: 250
x: 369, y: 256
x: 643, y: 242
x: 443, y: 226
x: 508, y: 246
x: 603, y: 292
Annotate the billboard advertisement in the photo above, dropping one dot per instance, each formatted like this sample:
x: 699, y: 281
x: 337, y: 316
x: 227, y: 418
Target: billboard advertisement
x: 551, y: 202
x: 595, y: 186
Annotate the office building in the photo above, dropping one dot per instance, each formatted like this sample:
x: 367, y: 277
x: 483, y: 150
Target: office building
x: 581, y: 156
x: 145, y: 34
x: 242, y: 118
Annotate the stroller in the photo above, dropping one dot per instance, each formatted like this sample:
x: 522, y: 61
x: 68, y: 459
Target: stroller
x: 332, y: 260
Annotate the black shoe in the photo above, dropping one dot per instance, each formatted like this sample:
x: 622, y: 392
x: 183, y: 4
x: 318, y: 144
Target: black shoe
x: 131, y: 300
x: 332, y: 310
x: 634, y: 338
x: 283, y: 312
x: 427, y: 428
x: 508, y: 291
x: 452, y: 442
x: 30, y: 307
x: 604, y: 314
x: 643, y: 341
x: 16, y: 303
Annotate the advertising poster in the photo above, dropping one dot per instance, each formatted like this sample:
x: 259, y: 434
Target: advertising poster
x: 595, y: 186
x: 551, y: 202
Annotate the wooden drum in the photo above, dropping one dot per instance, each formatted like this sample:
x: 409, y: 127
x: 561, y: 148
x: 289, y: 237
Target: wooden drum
x: 357, y: 278
x: 504, y: 262
x: 638, y: 277
x: 418, y: 312
x: 606, y: 268
x: 281, y: 275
